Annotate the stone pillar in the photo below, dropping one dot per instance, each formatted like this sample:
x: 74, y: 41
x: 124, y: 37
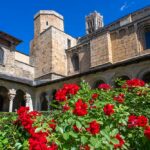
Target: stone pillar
x: 48, y: 100
x: 12, y: 94
x: 29, y: 101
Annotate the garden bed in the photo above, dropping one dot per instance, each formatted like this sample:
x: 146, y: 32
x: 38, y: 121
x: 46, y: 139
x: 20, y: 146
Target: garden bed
x: 88, y: 119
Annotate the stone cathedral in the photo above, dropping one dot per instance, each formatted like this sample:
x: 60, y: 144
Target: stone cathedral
x: 118, y: 50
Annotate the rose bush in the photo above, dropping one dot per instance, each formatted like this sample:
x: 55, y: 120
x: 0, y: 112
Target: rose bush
x: 90, y: 119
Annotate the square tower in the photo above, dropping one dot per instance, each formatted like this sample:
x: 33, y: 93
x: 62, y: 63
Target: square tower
x: 94, y: 21
x: 48, y: 46
x: 45, y: 19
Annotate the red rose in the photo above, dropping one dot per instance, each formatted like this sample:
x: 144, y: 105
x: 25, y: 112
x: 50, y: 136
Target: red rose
x: 80, y: 108
x: 71, y: 88
x: 95, y: 96
x: 52, y: 125
x: 34, y: 114
x: 147, y: 132
x: 94, y: 127
x: 61, y: 95
x: 67, y: 90
x: 108, y: 109
x: 104, y: 86
x: 142, y: 121
x: 66, y: 107
x: 86, y: 147
x: 121, y: 141
x: 91, y: 102
x: 52, y: 147
x: 120, y: 98
x: 133, y: 83
x: 22, y: 110
x: 132, y: 121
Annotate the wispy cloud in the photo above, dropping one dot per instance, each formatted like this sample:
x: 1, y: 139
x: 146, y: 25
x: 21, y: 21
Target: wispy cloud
x: 126, y: 5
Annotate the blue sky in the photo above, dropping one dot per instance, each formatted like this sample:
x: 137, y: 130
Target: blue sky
x: 16, y: 16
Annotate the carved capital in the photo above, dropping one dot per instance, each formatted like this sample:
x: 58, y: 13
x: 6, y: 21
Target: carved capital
x: 27, y: 96
x: 12, y: 94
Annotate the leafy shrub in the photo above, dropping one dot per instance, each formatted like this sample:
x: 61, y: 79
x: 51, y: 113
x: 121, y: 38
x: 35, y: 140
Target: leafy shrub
x: 89, y: 119
x: 102, y: 118
x: 9, y: 133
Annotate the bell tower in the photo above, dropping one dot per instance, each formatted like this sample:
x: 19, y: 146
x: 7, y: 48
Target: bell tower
x: 94, y: 21
x: 45, y: 19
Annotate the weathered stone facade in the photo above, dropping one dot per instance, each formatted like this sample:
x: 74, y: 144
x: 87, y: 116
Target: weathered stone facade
x: 118, y: 50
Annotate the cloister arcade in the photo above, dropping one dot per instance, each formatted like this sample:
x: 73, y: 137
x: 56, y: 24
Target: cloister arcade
x: 14, y: 96
x: 12, y: 99
x: 48, y: 96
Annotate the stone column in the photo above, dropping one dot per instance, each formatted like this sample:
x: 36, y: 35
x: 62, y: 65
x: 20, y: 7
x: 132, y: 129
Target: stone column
x: 48, y: 100
x: 12, y: 94
x: 29, y: 101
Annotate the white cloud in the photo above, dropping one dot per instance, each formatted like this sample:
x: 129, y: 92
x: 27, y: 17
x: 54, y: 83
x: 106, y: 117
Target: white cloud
x: 126, y: 5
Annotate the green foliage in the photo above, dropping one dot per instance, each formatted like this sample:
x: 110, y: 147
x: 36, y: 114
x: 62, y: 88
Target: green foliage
x: 136, y: 101
x: 10, y: 136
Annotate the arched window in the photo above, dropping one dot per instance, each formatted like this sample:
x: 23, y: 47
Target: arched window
x: 144, y: 36
x: 1, y: 56
x: 75, y: 62
x: 146, y: 77
x: 147, y: 37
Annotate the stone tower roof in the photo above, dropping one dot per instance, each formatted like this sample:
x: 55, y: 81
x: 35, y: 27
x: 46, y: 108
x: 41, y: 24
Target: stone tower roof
x: 48, y: 12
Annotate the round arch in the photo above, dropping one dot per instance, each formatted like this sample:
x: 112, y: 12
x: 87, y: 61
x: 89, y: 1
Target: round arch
x: 146, y: 77
x: 97, y: 83
x: 75, y: 61
x: 142, y: 30
x: 19, y: 100
x: 4, y: 99
x: 43, y: 102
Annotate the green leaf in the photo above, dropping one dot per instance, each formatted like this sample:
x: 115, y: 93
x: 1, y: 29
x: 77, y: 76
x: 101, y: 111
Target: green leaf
x: 5, y: 141
x: 114, y: 132
x: 114, y: 141
x: 59, y: 129
x: 38, y: 129
x: 18, y: 146
x: 84, y: 139
x: 66, y: 136
x: 78, y: 124
x: 105, y: 135
x: 73, y: 134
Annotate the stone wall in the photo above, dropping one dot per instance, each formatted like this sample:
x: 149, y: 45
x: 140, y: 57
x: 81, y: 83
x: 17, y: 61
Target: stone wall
x: 83, y: 52
x: 124, y: 44
x: 101, y: 52
x: 48, y: 52
x: 59, y: 45
x: 41, y: 54
x: 22, y: 57
x: 45, y: 19
x: 14, y: 67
